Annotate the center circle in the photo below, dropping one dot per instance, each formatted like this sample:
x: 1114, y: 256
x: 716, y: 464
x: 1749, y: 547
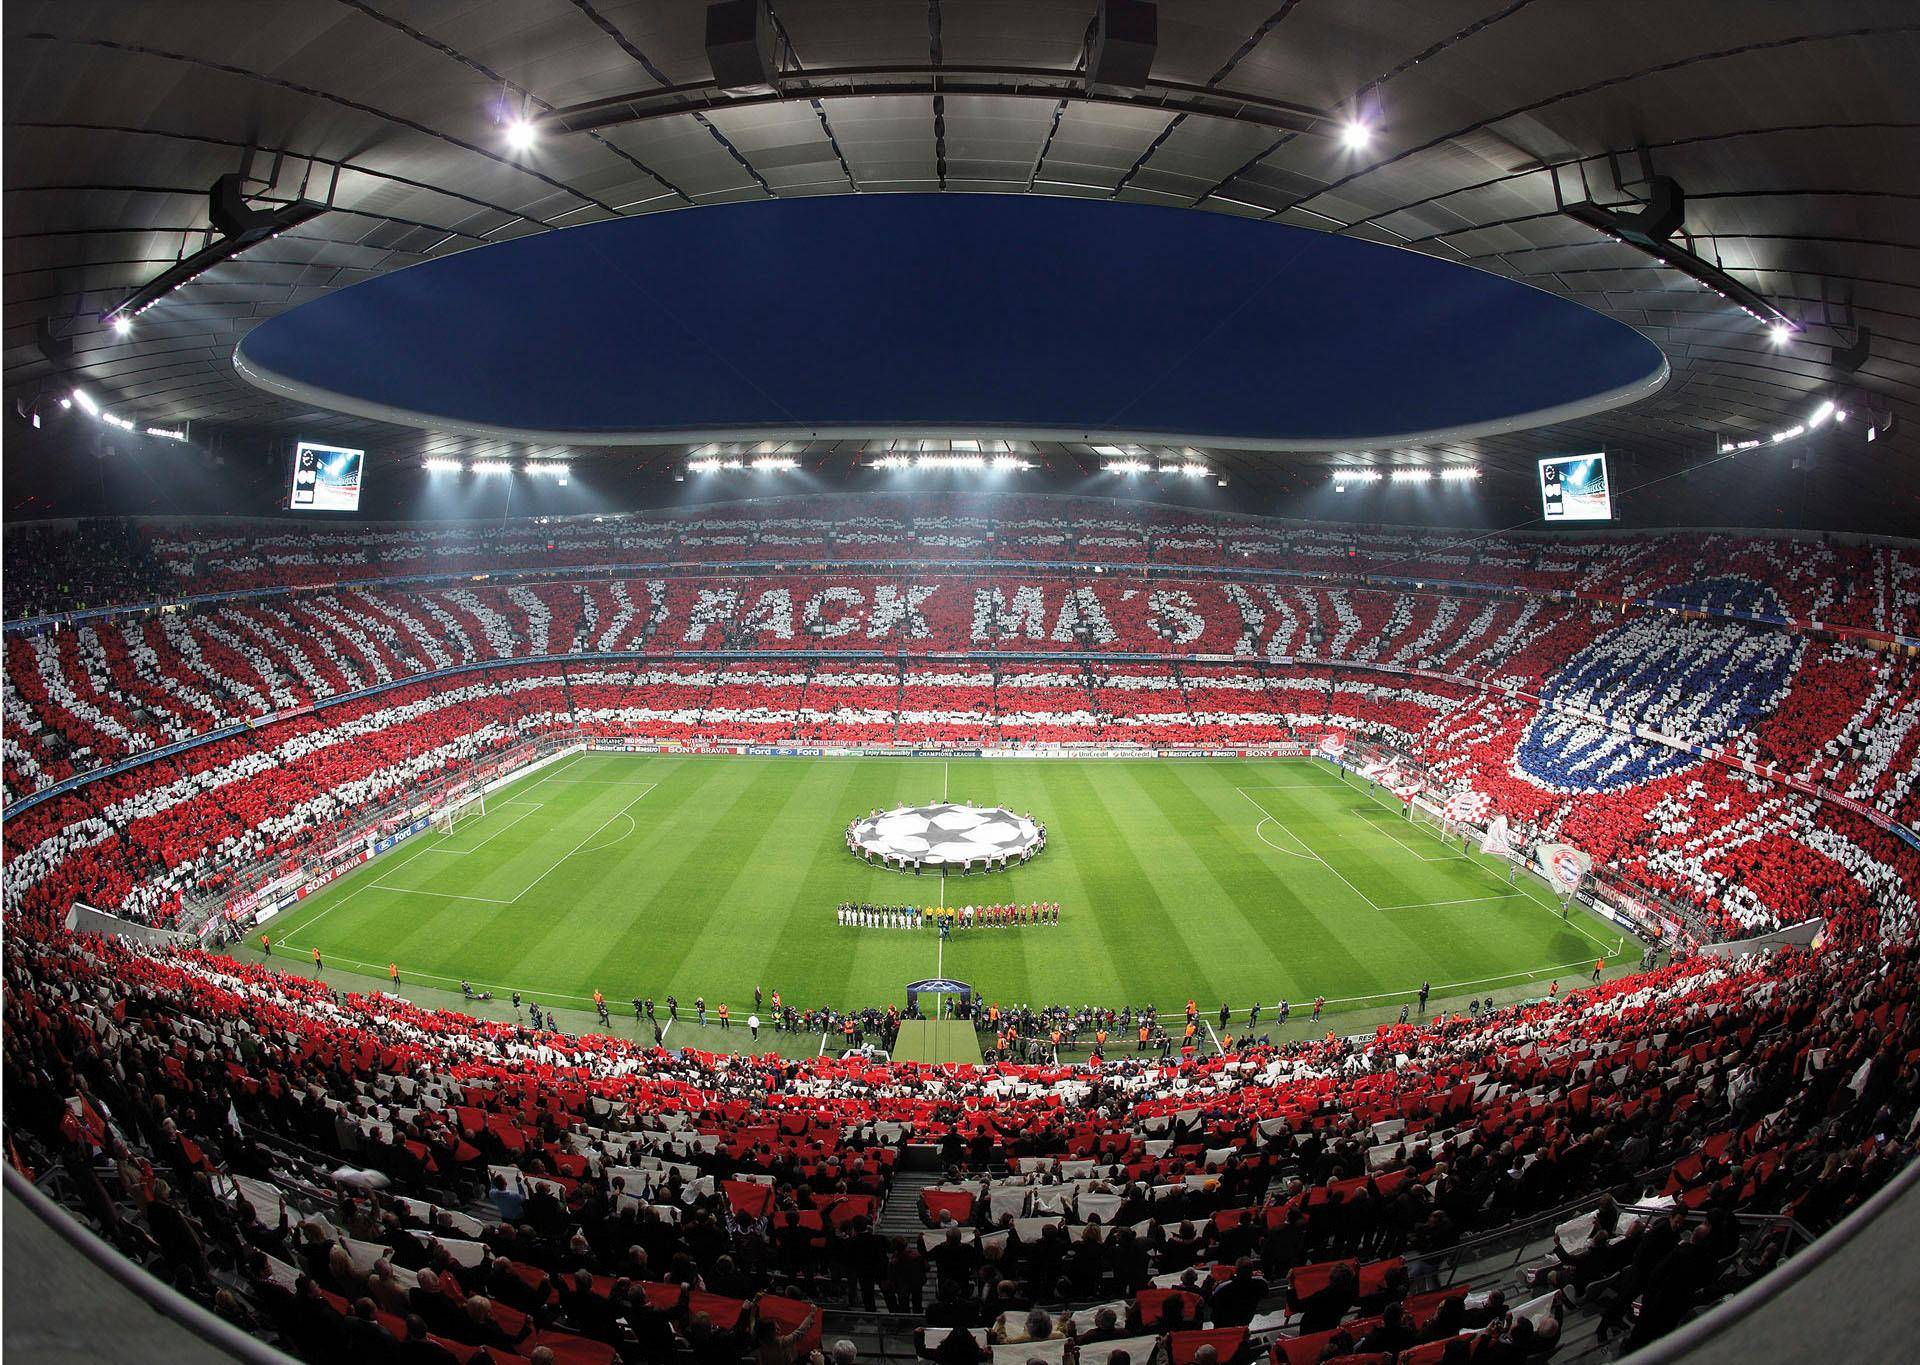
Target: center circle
x: 948, y: 836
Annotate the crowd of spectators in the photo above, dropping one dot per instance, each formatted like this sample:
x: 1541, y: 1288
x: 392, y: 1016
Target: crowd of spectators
x: 1833, y: 714
x: 357, y: 1172
x: 1745, y: 851
x: 80, y: 566
x: 360, y: 1174
x: 58, y: 568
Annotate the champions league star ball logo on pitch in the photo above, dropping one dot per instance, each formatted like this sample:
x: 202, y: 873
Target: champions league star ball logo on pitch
x: 944, y: 834
x: 1702, y: 680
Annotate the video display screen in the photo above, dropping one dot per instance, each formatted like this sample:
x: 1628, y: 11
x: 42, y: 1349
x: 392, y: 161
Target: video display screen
x: 326, y: 478
x: 1574, y: 488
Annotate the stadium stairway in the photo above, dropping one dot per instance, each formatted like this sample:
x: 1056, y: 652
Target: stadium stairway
x: 900, y: 1214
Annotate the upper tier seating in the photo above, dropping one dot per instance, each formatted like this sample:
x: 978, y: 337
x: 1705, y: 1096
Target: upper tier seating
x: 1832, y: 712
x: 49, y: 570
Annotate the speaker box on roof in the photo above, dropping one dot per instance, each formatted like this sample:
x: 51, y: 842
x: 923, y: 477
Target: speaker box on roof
x: 740, y: 44
x: 1125, y: 36
x: 227, y: 207
x: 1666, y: 209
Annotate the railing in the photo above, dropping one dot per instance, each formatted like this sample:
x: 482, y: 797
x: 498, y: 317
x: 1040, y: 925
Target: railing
x: 1480, y: 1262
x: 1691, y: 1336
x: 223, y: 1336
x: 1506, y: 1249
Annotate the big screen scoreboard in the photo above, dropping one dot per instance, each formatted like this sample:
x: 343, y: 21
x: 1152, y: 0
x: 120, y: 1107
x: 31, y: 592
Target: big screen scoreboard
x: 326, y: 478
x: 1575, y: 488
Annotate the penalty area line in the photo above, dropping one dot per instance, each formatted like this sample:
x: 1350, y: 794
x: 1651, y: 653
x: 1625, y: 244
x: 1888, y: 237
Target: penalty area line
x: 1447, y: 986
x: 1522, y: 888
x: 1467, y: 900
x: 582, y: 844
x: 1291, y: 853
x: 1266, y: 818
x: 462, y: 852
x: 365, y: 886
x: 541, y: 781
x: 1318, y: 857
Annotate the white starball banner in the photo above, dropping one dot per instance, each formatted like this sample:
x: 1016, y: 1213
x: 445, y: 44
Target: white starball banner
x: 945, y: 834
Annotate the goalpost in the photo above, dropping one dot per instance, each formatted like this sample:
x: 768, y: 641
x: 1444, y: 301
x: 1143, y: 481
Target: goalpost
x: 1438, y: 814
x: 459, y: 807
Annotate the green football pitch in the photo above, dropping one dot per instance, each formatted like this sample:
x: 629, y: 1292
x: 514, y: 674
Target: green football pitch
x: 1224, y: 880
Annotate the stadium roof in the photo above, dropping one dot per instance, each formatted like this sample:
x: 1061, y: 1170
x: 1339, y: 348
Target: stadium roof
x: 1787, y: 127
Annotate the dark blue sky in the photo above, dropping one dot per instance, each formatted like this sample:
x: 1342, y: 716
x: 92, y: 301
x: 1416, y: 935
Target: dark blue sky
x: 952, y: 310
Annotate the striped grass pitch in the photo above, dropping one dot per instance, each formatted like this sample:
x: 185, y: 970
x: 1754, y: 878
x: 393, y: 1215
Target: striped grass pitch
x: 1223, y: 880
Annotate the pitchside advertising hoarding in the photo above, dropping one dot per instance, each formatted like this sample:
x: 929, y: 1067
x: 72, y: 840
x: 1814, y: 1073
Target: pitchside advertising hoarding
x: 1575, y: 488
x: 326, y: 478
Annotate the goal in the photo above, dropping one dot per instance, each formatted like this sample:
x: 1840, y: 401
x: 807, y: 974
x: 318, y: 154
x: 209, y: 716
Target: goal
x: 459, y: 807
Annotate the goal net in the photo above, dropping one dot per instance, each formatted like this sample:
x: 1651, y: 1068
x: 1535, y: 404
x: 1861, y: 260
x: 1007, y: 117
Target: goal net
x: 459, y: 808
x: 1455, y: 817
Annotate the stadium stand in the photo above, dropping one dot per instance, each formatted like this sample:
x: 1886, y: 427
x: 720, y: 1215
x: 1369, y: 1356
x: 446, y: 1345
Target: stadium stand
x: 61, y: 568
x: 358, y: 1173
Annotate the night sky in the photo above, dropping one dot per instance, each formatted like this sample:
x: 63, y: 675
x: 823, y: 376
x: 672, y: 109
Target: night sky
x: 960, y: 310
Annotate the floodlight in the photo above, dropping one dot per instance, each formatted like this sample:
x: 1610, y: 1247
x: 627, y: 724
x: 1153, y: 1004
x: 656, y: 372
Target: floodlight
x: 1355, y: 135
x: 520, y: 134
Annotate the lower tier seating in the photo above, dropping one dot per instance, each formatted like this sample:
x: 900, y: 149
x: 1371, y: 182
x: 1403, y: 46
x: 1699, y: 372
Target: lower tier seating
x: 356, y: 1174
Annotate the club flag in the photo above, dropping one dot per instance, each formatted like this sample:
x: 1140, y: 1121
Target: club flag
x: 83, y: 1121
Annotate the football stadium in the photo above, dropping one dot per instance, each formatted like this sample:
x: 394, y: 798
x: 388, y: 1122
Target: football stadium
x: 1095, y: 682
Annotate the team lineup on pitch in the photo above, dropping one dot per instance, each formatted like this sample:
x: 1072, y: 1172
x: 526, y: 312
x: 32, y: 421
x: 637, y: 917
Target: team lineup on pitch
x: 1223, y: 880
